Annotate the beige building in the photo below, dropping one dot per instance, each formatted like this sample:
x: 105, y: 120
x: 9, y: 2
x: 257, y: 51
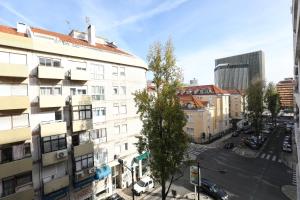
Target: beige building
x: 236, y: 104
x: 200, y: 118
x: 67, y: 114
x: 217, y: 101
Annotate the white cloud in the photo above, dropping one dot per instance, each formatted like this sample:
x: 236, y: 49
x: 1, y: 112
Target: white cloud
x: 276, y: 46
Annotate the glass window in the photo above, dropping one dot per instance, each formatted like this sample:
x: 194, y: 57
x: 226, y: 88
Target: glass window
x: 115, y: 71
x: 117, y: 129
x: 124, y: 128
x: 97, y: 92
x: 99, y: 112
x: 18, y: 58
x: 126, y: 146
x: 85, y: 161
x: 115, y: 90
x: 54, y: 143
x: 123, y: 90
x: 122, y: 71
x: 4, y: 57
x: 82, y: 112
x: 6, y: 155
x: 9, y: 186
x: 97, y: 71
x: 123, y: 109
x: 58, y: 115
x: 56, y: 63
x: 116, y: 109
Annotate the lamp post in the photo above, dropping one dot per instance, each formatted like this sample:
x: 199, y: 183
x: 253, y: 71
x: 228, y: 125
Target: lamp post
x: 131, y: 170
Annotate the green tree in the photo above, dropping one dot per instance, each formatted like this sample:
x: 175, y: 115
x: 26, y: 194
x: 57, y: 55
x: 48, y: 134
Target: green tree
x: 255, y: 106
x: 271, y: 99
x: 162, y: 117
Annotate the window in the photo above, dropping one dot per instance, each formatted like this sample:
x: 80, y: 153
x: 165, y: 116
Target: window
x: 126, y: 146
x: 84, y: 162
x: 6, y: 155
x: 101, y: 155
x: 117, y: 129
x: 58, y: 115
x: 49, y: 62
x: 78, y: 91
x: 13, y: 58
x: 97, y: 93
x: 115, y: 71
x: 97, y: 72
x: 10, y: 184
x: 123, y: 109
x: 98, y: 133
x: 122, y: 90
x: 82, y: 112
x: 118, y: 149
x: 115, y: 90
x: 122, y: 71
x: 116, y: 109
x: 49, y: 90
x: 78, y: 65
x: 98, y: 112
x: 124, y: 128
x: 54, y: 143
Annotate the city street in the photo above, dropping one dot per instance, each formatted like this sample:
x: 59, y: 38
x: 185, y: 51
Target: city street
x: 246, y: 178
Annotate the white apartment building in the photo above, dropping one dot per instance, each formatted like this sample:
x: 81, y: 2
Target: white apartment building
x: 296, y: 36
x: 67, y: 114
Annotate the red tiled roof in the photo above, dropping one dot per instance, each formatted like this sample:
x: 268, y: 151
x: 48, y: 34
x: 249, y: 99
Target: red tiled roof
x: 213, y: 88
x: 185, y: 99
x: 62, y: 37
x: 233, y: 92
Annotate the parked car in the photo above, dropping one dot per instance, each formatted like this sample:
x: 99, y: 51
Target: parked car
x: 266, y: 131
x: 235, y: 134
x: 287, y: 148
x: 229, y: 145
x: 251, y: 144
x: 115, y: 196
x: 213, y: 190
x: 249, y: 131
x: 143, y: 185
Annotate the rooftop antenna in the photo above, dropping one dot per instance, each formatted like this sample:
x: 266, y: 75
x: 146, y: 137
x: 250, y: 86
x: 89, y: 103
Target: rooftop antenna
x: 87, y: 20
x: 68, y: 24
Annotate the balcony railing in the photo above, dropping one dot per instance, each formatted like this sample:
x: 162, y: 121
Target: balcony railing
x: 14, y: 97
x: 45, y: 72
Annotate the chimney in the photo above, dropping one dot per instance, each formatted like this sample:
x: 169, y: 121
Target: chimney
x: 21, y: 27
x: 91, y: 35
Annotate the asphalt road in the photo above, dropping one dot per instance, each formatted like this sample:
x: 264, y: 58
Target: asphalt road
x: 258, y: 178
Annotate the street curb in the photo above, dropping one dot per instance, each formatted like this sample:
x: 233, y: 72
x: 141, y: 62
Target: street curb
x: 290, y: 191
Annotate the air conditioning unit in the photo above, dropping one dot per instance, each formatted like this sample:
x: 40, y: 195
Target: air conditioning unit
x: 92, y: 170
x: 62, y: 154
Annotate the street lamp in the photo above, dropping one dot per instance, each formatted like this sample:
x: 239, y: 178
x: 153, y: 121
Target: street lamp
x: 131, y: 170
x: 198, y: 184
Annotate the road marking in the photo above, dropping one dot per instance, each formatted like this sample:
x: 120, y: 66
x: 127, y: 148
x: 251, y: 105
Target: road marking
x: 268, y: 156
x: 262, y: 155
x: 274, y: 158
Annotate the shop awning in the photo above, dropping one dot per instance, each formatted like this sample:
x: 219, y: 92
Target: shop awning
x: 143, y: 156
x: 102, y: 172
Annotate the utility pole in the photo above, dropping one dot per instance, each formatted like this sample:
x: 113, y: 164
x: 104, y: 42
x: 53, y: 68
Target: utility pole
x: 131, y: 170
x: 198, y: 189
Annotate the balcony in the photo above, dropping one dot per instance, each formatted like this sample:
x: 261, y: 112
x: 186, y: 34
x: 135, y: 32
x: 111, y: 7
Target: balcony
x: 81, y: 100
x: 56, y: 184
x: 15, y: 167
x: 26, y: 192
x: 84, y: 176
x: 53, y: 128
x: 79, y: 75
x: 14, y: 102
x: 51, y: 72
x: 15, y: 135
x: 54, y: 157
x: 82, y: 125
x: 83, y: 149
x: 51, y: 101
x: 14, y: 70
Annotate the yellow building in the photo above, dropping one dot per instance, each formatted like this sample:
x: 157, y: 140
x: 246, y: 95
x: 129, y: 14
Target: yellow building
x: 216, y: 103
x: 285, y: 90
x: 67, y: 114
x: 236, y: 104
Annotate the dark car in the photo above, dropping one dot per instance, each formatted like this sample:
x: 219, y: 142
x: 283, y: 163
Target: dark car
x: 229, y: 145
x: 251, y: 143
x: 235, y: 134
x: 115, y: 197
x: 213, y: 190
x: 249, y: 131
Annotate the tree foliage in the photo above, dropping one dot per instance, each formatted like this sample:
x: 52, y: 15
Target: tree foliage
x: 271, y: 99
x: 255, y: 104
x: 162, y: 116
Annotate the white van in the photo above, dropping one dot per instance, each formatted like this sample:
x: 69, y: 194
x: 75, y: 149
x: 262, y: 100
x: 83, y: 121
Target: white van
x: 143, y: 185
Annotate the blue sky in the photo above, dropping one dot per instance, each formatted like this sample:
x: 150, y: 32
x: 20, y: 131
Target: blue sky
x: 202, y: 30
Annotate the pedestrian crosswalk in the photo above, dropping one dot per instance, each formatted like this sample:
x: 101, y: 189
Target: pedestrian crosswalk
x: 271, y: 157
x: 197, y: 150
x: 294, y: 178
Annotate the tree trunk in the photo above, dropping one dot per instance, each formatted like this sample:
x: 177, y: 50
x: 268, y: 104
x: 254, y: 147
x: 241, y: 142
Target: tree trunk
x: 163, y: 189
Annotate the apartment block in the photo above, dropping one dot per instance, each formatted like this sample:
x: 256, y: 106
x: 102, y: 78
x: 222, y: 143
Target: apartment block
x: 285, y: 90
x: 67, y: 114
x: 218, y: 100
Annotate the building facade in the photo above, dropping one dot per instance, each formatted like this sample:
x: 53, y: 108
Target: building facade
x: 67, y: 114
x: 285, y: 90
x: 218, y: 101
x: 296, y: 50
x: 237, y: 72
